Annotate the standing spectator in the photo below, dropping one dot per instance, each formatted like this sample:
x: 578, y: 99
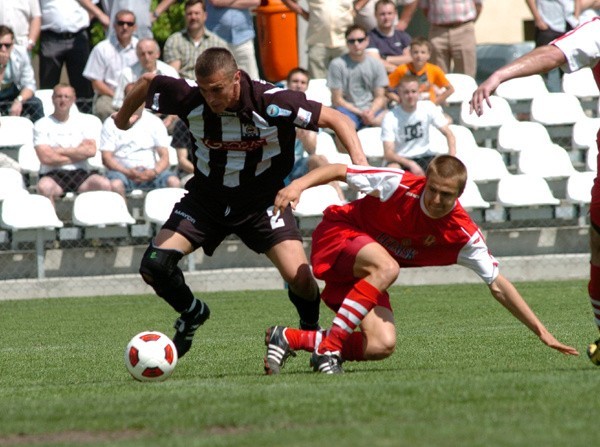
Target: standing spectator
x: 142, y: 9
x: 137, y: 158
x: 182, y: 48
x: 358, y: 82
x: 24, y: 17
x: 327, y: 22
x: 306, y: 141
x: 64, y: 40
x: 405, y: 130
x: 244, y: 133
x: 365, y: 13
x: 232, y: 21
x: 148, y: 53
x: 386, y: 43
x: 64, y: 142
x: 433, y: 83
x: 452, y: 33
x: 108, y: 59
x: 360, y: 248
x: 17, y: 86
x: 550, y: 22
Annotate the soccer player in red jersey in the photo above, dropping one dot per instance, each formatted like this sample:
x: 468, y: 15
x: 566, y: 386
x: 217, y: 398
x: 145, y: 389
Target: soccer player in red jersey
x: 572, y: 51
x: 358, y: 249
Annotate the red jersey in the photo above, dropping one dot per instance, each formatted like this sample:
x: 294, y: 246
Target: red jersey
x: 393, y: 214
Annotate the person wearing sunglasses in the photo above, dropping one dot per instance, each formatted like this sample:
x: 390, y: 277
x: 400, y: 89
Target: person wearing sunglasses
x: 358, y: 82
x: 17, y: 85
x: 108, y: 59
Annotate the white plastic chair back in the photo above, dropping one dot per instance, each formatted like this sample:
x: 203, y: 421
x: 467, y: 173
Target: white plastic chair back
x: 584, y: 133
x: 159, y: 203
x: 29, y: 211
x: 11, y: 183
x: 437, y: 140
x: 15, y: 131
x: 465, y: 139
x: 579, y: 187
x: 580, y: 83
x: 556, y: 108
x: 549, y: 162
x: 370, y: 140
x: 28, y: 159
x: 496, y: 115
x: 101, y: 208
x: 522, y: 89
x: 483, y: 164
x: 471, y: 197
x: 314, y: 200
x: 525, y: 190
x: 326, y: 147
x: 518, y: 135
x: 464, y: 86
x: 319, y: 91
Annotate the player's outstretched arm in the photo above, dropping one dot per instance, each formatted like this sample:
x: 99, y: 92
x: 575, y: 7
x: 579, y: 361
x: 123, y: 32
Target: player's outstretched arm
x: 345, y: 131
x: 133, y: 100
x: 540, y: 60
x: 319, y: 176
x: 507, y: 295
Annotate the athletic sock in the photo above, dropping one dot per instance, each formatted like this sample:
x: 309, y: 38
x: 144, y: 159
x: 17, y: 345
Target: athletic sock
x: 594, y: 292
x: 308, y: 311
x: 303, y: 340
x: 360, y: 300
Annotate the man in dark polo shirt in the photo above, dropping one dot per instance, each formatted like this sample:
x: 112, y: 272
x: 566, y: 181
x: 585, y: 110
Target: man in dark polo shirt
x: 244, y: 133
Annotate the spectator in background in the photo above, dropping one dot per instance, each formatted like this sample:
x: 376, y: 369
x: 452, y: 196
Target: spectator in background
x: 405, y: 130
x: 358, y: 82
x: 232, y: 21
x: 148, y: 53
x: 433, y: 84
x: 64, y: 142
x: 108, y: 59
x: 452, y: 33
x: 142, y: 9
x: 365, y: 13
x: 17, y: 86
x: 24, y: 17
x: 64, y: 40
x: 137, y: 158
x: 306, y: 141
x: 182, y: 48
x: 327, y: 22
x: 386, y: 43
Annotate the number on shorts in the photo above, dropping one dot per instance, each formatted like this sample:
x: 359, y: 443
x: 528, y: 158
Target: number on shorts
x: 275, y: 219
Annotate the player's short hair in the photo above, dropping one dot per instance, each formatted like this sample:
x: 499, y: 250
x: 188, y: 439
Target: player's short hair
x: 214, y: 59
x: 448, y: 166
x: 295, y: 70
x: 420, y: 41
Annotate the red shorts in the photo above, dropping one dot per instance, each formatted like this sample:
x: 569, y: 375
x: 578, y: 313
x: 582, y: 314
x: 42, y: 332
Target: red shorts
x: 334, y: 249
x: 595, y: 205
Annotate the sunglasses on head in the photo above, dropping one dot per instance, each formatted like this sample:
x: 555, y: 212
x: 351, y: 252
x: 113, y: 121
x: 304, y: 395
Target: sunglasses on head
x: 124, y: 22
x: 359, y: 40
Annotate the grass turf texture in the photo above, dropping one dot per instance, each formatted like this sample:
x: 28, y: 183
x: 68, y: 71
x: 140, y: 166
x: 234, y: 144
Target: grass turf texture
x: 465, y: 373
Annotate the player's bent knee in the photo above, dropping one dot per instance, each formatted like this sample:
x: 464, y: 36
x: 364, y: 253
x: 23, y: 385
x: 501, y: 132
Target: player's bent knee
x: 159, y: 267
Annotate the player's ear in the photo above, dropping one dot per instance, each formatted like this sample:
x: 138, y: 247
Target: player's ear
x: 236, y: 77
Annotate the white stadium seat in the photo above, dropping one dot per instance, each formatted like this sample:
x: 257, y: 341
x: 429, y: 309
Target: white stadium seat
x: 313, y: 202
x: 525, y: 190
x: 102, y: 213
x: 319, y: 91
x: 471, y: 197
x: 579, y: 187
x: 370, y: 140
x: 11, y: 183
x: 15, y: 131
x: 550, y: 161
x: 584, y: 133
x: 326, y: 147
x: 519, y: 92
x: 485, y: 126
x: 159, y: 203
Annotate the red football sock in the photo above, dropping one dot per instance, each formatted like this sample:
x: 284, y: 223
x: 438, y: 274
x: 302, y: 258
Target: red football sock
x: 300, y: 339
x: 594, y: 292
x: 360, y: 300
x: 353, y: 349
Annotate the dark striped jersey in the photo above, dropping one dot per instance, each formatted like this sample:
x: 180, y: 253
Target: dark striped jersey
x: 242, y: 154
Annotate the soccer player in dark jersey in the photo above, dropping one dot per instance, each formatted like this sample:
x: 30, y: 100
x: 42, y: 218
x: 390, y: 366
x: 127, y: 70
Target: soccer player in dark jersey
x: 244, y: 133
x: 359, y: 249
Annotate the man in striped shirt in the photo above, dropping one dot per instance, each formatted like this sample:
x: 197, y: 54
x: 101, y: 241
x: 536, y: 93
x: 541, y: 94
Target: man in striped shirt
x: 244, y: 133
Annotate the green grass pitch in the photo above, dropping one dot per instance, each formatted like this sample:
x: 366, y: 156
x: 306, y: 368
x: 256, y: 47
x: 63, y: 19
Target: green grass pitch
x: 465, y: 373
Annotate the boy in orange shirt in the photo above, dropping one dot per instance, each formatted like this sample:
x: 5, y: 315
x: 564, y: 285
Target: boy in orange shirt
x: 433, y: 83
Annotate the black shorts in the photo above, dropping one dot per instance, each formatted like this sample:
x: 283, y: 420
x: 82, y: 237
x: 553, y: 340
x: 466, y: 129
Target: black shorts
x: 198, y: 221
x: 69, y: 181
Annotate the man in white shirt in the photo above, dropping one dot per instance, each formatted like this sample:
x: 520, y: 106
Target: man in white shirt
x: 405, y: 130
x: 64, y: 142
x: 108, y: 59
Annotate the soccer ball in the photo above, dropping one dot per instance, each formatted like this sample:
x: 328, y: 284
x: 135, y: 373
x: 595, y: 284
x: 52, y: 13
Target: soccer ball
x: 593, y: 352
x: 150, y: 356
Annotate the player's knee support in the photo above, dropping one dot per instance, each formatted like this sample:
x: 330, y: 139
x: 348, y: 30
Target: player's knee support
x: 159, y: 268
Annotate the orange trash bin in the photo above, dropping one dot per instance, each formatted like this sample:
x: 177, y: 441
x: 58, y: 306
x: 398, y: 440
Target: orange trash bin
x: 277, y: 39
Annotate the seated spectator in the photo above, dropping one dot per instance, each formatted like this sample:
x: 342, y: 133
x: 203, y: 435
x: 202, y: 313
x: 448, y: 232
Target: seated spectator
x: 306, y: 140
x: 108, y: 59
x: 18, y: 80
x: 357, y: 82
x: 433, y: 84
x: 386, y: 43
x: 63, y: 144
x: 137, y: 158
x: 182, y: 48
x: 405, y: 130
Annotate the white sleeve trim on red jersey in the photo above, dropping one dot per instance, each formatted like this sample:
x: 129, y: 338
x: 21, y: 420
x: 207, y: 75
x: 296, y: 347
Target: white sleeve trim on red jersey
x: 476, y: 256
x: 377, y: 182
x: 580, y: 46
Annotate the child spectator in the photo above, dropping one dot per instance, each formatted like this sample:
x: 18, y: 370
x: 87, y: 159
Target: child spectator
x: 433, y: 84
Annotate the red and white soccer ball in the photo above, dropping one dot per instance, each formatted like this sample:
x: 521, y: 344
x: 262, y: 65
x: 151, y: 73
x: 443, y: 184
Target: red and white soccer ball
x: 150, y: 356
